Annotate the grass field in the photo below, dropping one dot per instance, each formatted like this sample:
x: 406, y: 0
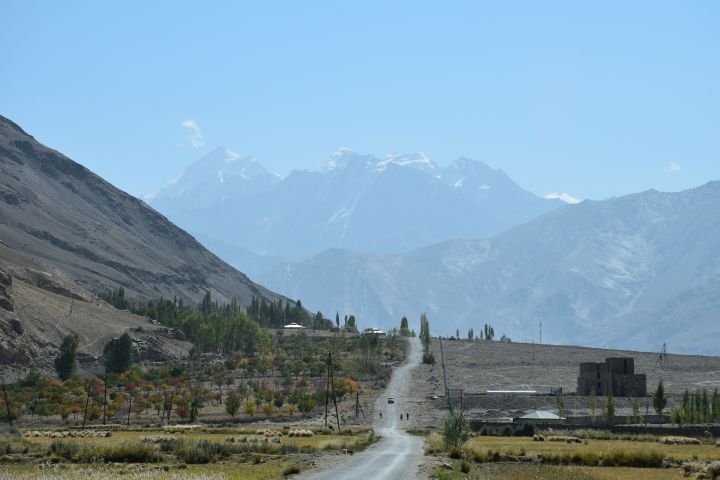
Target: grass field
x: 220, y: 471
x: 198, y: 454
x: 515, y: 445
x: 520, y: 458
x: 548, y: 472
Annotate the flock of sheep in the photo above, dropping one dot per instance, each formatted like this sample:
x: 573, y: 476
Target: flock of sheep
x: 68, y: 433
x: 268, y: 436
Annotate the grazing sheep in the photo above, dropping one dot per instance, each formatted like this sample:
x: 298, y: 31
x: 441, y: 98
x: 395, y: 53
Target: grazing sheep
x: 564, y: 438
x: 680, y: 441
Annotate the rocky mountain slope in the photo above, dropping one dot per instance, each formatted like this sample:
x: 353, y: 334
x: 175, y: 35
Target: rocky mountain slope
x: 630, y: 272
x: 61, y: 213
x: 359, y: 202
x: 66, y: 234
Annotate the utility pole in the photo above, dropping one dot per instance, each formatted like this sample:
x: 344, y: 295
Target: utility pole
x: 87, y: 401
x: 442, y: 361
x: 540, y: 333
x: 332, y: 379
x: 327, y: 388
x: 7, y: 405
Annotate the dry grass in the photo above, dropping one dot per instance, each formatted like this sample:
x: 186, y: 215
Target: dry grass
x: 546, y: 472
x: 262, y: 471
x: 518, y: 445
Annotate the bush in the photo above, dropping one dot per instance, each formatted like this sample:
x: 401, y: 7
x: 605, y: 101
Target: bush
x: 455, y: 453
x: 126, y: 452
x: 619, y: 458
x: 66, y: 450
x: 456, y: 430
x: 464, y: 467
x: 291, y: 470
x: 202, y: 452
x: 525, y: 430
x: 428, y: 358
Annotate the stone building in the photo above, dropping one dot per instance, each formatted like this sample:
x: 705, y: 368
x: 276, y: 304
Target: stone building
x: 615, y: 375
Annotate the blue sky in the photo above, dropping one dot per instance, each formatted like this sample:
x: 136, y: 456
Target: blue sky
x: 592, y: 98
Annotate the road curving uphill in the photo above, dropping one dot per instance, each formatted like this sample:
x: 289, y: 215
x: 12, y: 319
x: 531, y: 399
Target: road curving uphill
x: 398, y: 454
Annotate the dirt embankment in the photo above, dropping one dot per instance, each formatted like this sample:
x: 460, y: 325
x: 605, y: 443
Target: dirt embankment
x: 32, y: 329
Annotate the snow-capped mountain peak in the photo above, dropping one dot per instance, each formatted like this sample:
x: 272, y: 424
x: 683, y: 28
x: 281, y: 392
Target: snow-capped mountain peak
x: 336, y: 159
x: 219, y: 173
x: 416, y: 160
x: 344, y: 157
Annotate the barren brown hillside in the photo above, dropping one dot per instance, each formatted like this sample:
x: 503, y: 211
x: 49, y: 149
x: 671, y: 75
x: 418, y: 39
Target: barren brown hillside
x: 65, y: 236
x: 479, y: 366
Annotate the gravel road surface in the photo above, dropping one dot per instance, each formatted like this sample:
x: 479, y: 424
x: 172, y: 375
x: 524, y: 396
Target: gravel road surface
x: 398, y: 454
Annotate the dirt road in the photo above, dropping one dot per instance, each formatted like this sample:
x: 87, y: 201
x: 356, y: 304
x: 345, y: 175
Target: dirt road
x: 398, y: 454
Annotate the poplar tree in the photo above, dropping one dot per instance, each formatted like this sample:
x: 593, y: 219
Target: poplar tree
x: 660, y: 400
x: 66, y: 361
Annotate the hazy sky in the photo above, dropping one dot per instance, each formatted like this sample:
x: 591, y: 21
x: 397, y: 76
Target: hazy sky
x: 591, y: 98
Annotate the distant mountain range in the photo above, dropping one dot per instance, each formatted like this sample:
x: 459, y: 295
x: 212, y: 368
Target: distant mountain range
x: 632, y: 272
x: 358, y: 202
x: 629, y: 272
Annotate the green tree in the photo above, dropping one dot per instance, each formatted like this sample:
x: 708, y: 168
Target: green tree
x: 470, y: 335
x: 195, y: 406
x: 489, y: 332
x: 206, y: 304
x: 117, y: 354
x: 457, y: 333
x: 659, y: 399
x: 705, y: 407
x: 636, y: 411
x: 593, y: 405
x: 337, y: 319
x: 456, y: 430
x: 404, y: 327
x: 610, y: 409
x: 676, y: 416
x: 425, y: 331
x: 352, y: 324
x: 66, y: 361
x: 560, y: 404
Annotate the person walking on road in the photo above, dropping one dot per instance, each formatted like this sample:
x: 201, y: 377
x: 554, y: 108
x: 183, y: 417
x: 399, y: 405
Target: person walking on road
x: 401, y: 417
x: 407, y: 416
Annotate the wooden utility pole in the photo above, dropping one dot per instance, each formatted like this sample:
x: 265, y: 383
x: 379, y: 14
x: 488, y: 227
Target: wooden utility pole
x: 329, y: 383
x: 332, y: 380
x: 105, y: 379
x: 129, y: 409
x: 327, y: 387
x: 87, y: 402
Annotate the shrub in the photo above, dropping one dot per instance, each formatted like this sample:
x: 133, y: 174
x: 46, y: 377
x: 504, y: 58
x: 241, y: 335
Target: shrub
x: 455, y: 453
x: 291, y: 470
x: 619, y: 458
x: 126, y: 452
x: 202, y: 452
x: 525, y: 430
x: 456, y: 430
x: 464, y: 467
x: 66, y: 450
